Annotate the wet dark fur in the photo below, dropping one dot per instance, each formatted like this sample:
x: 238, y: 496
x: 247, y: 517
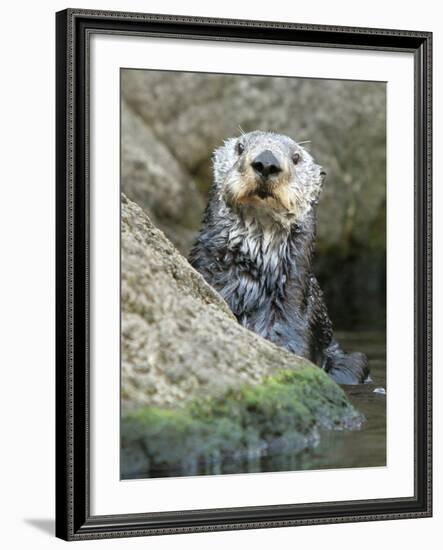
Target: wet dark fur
x: 270, y: 287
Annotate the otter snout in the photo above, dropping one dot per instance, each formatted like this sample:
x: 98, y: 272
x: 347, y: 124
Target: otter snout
x: 266, y: 164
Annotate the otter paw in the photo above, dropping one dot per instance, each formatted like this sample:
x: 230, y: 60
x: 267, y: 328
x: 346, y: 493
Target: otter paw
x: 347, y: 368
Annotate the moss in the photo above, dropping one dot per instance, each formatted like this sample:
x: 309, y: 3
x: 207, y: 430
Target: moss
x: 284, y: 411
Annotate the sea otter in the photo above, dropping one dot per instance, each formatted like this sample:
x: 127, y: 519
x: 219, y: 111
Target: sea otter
x: 256, y: 245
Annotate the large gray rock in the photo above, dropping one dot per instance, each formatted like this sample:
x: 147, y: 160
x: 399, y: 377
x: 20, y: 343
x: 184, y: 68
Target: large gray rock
x: 179, y: 337
x: 345, y: 122
x: 197, y: 388
x: 184, y: 116
x: 152, y: 177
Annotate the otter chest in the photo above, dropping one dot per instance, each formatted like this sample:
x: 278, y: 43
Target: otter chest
x: 256, y: 278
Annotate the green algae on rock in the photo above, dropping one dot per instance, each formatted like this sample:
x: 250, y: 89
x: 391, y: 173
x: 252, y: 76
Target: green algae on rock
x: 281, y: 414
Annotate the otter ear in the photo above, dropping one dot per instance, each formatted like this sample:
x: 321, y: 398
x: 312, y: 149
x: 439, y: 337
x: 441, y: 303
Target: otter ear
x: 318, y: 187
x: 219, y: 155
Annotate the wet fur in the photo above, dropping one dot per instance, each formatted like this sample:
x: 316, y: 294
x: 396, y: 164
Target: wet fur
x: 255, y: 248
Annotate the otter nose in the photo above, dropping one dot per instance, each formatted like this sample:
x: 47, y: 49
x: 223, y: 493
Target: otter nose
x: 266, y: 164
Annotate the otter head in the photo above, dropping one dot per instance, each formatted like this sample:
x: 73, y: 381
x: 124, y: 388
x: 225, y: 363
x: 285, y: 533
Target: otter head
x: 267, y: 174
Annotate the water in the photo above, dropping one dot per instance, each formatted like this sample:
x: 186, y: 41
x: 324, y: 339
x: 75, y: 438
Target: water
x: 365, y: 447
x: 342, y: 449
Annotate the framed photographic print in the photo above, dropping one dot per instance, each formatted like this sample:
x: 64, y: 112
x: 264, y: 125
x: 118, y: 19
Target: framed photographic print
x: 243, y: 274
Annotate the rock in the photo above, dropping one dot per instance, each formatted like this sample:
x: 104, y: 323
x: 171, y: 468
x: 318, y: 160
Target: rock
x: 180, y: 339
x: 191, y: 113
x: 153, y: 178
x: 193, y: 376
x: 187, y: 115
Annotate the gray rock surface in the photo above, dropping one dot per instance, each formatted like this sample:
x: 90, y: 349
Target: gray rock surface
x: 152, y: 177
x: 172, y: 122
x: 345, y: 121
x: 179, y: 338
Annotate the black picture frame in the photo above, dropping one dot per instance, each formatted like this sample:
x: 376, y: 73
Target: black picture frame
x: 74, y: 28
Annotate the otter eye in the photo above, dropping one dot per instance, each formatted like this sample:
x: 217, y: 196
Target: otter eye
x: 295, y: 158
x: 240, y: 147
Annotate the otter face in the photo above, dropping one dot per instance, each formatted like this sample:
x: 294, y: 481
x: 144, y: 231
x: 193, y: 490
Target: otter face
x: 267, y: 173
